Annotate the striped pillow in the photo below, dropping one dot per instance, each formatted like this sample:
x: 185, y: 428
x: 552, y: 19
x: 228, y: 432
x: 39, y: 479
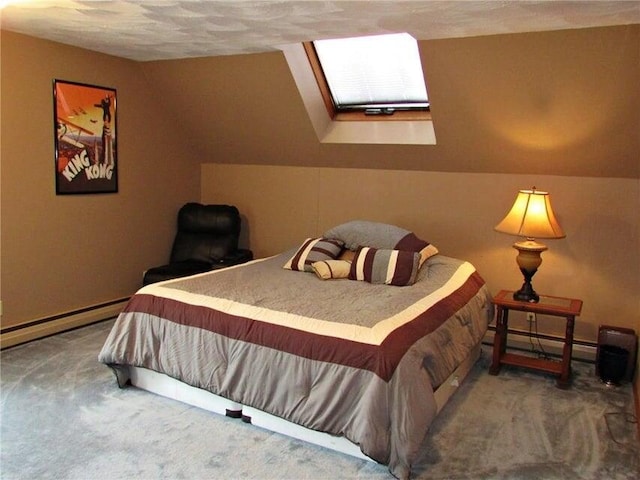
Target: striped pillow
x: 391, y: 267
x: 314, y: 250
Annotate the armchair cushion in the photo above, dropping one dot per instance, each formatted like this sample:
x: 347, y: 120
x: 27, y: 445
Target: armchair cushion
x: 206, y: 232
x: 175, y: 270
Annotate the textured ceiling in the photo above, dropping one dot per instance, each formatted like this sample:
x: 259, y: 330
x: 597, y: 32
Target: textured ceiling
x: 167, y: 29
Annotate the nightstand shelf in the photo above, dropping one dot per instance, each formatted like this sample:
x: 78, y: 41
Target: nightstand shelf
x: 549, y: 366
x: 569, y: 308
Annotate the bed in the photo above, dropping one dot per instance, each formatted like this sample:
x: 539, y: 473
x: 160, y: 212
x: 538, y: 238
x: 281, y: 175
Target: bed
x: 353, y: 340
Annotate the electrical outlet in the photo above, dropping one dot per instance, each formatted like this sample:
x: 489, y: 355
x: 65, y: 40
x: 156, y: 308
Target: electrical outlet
x: 531, y: 317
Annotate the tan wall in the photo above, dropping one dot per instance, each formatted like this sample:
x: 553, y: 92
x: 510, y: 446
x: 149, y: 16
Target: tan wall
x: 552, y: 103
x: 61, y: 253
x: 559, y: 103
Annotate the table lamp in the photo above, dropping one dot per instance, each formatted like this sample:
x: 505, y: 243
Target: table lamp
x: 530, y: 217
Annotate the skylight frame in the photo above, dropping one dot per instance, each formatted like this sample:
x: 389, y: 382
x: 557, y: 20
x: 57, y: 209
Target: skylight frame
x: 390, y: 108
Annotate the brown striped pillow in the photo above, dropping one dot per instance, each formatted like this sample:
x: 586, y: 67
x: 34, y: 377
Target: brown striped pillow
x: 314, y: 250
x: 391, y: 267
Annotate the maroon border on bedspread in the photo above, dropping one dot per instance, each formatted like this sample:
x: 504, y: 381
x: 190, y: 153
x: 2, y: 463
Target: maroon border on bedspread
x: 379, y: 359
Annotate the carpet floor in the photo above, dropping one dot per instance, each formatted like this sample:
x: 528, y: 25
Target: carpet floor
x: 63, y: 417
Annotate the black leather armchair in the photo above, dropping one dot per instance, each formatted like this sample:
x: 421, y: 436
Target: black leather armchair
x: 207, y: 239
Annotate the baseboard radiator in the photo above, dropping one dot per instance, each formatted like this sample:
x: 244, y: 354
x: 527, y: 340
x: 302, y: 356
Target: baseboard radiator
x: 552, y: 345
x: 44, y: 327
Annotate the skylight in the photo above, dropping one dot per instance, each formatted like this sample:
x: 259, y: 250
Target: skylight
x: 377, y: 74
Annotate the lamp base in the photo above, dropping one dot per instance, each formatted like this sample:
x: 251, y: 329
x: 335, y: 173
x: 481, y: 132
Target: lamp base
x: 528, y: 260
x: 526, y: 294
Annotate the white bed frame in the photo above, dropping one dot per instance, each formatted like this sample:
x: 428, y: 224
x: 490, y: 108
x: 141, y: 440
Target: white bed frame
x: 165, y: 386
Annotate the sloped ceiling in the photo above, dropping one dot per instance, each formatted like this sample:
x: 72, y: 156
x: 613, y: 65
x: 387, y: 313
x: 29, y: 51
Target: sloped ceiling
x: 145, y: 30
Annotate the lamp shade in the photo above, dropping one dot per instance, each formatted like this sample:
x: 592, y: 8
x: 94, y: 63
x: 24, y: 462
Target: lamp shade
x: 531, y: 216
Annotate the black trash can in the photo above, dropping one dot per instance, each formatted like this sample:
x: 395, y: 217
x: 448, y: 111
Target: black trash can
x: 612, y: 364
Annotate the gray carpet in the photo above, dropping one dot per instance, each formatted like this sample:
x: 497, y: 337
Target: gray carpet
x: 63, y: 417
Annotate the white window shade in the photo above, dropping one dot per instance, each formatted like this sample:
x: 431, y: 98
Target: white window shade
x: 381, y: 71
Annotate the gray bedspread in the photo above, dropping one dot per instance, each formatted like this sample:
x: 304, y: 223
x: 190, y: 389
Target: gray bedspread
x: 339, y: 356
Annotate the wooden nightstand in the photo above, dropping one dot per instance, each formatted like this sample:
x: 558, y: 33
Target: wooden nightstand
x: 569, y: 308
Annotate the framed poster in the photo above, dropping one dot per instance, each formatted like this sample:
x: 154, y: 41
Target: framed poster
x: 86, y: 156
